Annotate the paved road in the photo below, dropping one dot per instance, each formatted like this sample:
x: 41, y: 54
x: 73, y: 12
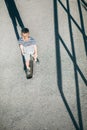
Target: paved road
x: 56, y: 97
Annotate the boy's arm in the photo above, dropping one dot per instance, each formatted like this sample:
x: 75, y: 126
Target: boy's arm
x: 35, y: 52
x: 21, y: 47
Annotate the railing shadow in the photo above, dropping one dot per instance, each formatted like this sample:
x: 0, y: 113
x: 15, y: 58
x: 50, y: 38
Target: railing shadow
x: 84, y: 3
x: 82, y: 25
x: 16, y: 19
x: 58, y: 42
x: 82, y: 28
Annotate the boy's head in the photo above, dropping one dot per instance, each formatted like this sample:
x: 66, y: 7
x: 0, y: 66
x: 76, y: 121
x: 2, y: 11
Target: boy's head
x: 25, y: 30
x: 25, y: 33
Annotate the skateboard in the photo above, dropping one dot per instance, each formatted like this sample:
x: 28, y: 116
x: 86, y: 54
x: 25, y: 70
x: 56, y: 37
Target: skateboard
x: 30, y: 73
x: 31, y: 65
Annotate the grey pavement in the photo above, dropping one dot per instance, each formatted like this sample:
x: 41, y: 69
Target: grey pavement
x: 56, y: 97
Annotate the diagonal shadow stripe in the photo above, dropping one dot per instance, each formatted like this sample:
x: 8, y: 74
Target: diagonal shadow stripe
x: 84, y: 3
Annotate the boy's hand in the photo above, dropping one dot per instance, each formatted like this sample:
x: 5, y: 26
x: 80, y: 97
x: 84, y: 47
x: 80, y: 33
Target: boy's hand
x: 35, y: 57
x: 37, y: 60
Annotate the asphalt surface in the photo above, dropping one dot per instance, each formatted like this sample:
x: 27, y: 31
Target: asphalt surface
x: 56, y: 97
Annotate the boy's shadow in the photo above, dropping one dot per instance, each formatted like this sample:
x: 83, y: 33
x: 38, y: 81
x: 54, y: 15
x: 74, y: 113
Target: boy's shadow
x: 15, y: 17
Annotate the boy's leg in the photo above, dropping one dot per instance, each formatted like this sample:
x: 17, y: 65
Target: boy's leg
x: 27, y: 64
x: 27, y: 59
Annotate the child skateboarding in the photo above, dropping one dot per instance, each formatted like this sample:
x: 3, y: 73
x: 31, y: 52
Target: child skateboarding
x: 28, y: 47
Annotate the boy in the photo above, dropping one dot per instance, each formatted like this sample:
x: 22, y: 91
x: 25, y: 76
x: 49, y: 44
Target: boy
x: 28, y: 47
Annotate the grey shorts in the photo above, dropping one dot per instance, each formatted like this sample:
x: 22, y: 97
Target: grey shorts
x: 27, y: 53
x: 27, y: 56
